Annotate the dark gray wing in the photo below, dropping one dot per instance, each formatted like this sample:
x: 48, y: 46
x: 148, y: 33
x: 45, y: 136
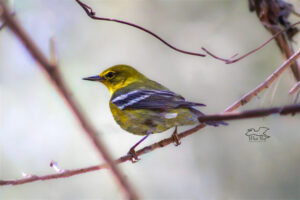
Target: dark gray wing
x: 151, y: 99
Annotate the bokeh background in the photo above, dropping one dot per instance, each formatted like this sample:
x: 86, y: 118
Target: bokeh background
x: 215, y: 163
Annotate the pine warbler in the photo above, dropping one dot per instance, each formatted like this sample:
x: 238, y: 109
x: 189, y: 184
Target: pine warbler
x: 142, y: 106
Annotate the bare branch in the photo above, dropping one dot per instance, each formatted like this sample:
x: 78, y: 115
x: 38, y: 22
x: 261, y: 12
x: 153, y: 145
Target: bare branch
x: 68, y: 173
x: 247, y: 97
x: 54, y: 75
x: 167, y: 141
x: 89, y: 11
x: 231, y: 60
x: 291, y: 109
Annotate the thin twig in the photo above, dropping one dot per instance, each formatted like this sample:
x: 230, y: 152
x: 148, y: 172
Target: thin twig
x: 295, y: 88
x: 247, y: 97
x: 55, y: 77
x: 89, y: 11
x: 68, y: 173
x: 291, y: 109
x: 230, y: 60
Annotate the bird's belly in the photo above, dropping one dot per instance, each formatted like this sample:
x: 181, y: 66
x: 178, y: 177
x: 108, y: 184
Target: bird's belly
x: 140, y: 121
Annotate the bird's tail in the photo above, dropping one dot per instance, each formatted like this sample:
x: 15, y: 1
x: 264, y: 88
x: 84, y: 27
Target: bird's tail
x: 211, y: 123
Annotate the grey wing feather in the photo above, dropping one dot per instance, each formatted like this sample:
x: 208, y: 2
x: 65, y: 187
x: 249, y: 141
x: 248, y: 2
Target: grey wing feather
x: 152, y: 99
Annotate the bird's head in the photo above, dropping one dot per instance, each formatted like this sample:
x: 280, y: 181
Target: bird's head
x: 117, y: 76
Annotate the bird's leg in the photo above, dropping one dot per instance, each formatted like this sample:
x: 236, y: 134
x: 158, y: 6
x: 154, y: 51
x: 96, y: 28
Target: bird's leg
x: 175, y: 137
x: 134, y: 157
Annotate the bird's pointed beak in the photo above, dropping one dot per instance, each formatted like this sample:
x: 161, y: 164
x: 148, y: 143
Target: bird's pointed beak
x: 93, y: 78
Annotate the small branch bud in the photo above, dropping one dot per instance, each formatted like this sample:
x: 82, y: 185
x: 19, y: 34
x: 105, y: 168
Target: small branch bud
x: 54, y: 165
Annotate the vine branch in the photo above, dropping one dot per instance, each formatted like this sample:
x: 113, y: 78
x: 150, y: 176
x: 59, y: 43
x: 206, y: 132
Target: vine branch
x: 89, y: 11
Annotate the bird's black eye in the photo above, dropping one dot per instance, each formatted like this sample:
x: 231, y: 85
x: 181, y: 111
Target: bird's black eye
x: 109, y: 75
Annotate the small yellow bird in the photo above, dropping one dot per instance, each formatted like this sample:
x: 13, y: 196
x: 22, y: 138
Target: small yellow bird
x: 142, y: 106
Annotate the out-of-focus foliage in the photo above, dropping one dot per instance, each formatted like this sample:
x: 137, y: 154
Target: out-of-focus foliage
x: 215, y: 163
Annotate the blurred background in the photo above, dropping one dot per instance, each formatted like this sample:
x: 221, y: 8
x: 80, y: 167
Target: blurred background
x: 214, y: 163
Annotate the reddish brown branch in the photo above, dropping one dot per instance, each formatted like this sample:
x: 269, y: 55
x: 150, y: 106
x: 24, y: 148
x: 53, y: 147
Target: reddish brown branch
x: 54, y: 75
x: 231, y: 60
x: 89, y: 11
x: 290, y: 109
x: 68, y: 173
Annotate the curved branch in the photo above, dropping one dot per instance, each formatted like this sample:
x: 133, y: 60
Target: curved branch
x: 290, y: 109
x: 230, y: 60
x: 89, y: 11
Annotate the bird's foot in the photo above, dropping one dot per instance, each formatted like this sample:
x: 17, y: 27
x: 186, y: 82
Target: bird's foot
x: 175, y: 137
x: 133, y: 156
